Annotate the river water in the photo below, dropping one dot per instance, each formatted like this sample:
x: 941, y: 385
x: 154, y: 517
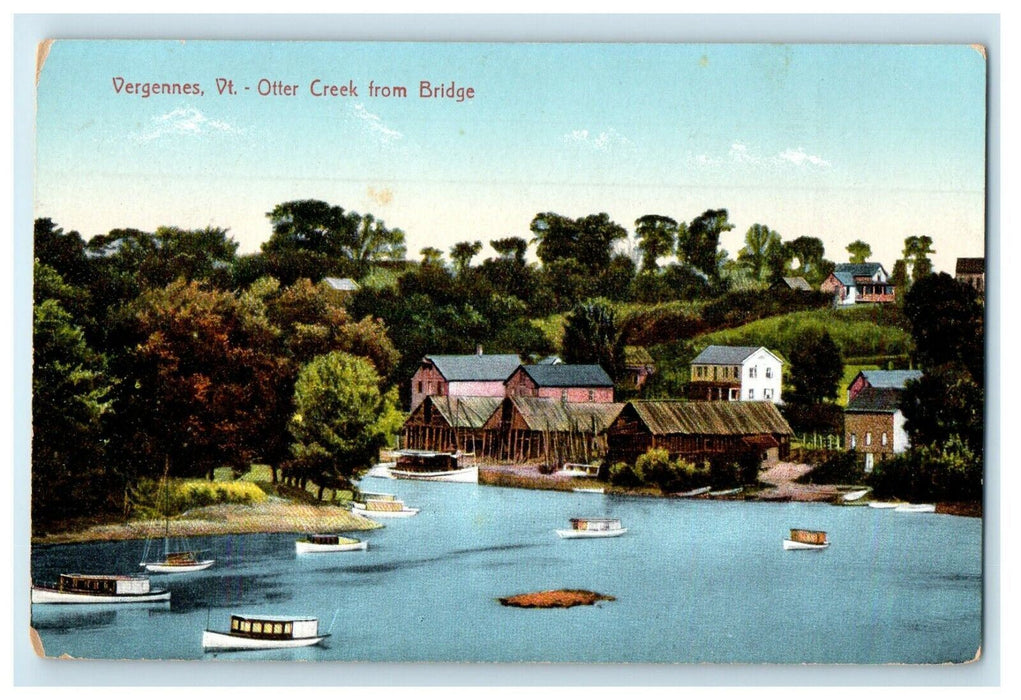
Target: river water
x: 694, y: 581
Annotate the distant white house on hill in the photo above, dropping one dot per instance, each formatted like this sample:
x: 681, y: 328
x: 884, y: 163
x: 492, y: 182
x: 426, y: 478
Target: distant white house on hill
x: 735, y: 373
x: 859, y: 283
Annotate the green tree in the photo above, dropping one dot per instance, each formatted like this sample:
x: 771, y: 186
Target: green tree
x: 917, y: 250
x: 657, y: 237
x: 511, y: 248
x: 812, y: 264
x: 341, y: 419
x: 698, y: 243
x: 462, y: 253
x: 759, y: 242
x: 591, y: 336
x: 946, y: 323
x: 588, y: 240
x: 70, y: 401
x: 816, y: 368
x: 860, y: 251
x: 431, y: 256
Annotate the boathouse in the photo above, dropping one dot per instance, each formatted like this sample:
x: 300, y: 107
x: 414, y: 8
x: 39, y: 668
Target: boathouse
x: 697, y: 430
x: 462, y: 375
x: 570, y: 383
x: 530, y: 429
x: 449, y: 423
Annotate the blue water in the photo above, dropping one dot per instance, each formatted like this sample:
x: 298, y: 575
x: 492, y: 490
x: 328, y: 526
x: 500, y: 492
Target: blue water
x: 694, y: 581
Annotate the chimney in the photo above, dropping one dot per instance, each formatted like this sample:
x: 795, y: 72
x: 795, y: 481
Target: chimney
x: 478, y: 349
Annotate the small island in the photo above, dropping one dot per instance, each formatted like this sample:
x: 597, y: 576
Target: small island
x: 563, y: 598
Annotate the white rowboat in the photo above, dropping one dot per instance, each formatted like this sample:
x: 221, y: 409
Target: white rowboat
x: 883, y: 505
x: 916, y: 508
x: 592, y: 490
x: 854, y: 495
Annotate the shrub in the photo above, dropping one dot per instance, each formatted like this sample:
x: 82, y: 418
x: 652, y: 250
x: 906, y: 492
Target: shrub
x: 624, y: 474
x: 149, y: 496
x: 948, y: 472
x: 837, y: 468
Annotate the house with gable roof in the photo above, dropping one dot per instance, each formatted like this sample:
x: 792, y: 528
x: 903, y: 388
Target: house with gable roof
x: 568, y: 383
x: 873, y: 421
x: 735, y: 373
x: 462, y: 375
x: 859, y: 283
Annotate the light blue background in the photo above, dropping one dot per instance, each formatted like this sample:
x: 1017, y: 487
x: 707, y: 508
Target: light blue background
x: 28, y: 30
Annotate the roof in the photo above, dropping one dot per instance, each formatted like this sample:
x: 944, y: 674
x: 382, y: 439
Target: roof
x: 873, y: 400
x: 889, y: 378
x: 797, y: 283
x: 465, y: 411
x: 483, y: 368
x: 711, y: 417
x: 971, y: 266
x: 342, y: 284
x: 637, y: 355
x: 727, y: 354
x: 568, y: 375
x: 551, y: 360
x: 846, y: 272
x: 557, y: 416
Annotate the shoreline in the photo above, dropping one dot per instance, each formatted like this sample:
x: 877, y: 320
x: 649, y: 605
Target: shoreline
x: 273, y: 516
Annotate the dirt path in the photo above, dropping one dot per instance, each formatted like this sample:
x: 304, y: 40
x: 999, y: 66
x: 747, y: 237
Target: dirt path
x: 781, y: 478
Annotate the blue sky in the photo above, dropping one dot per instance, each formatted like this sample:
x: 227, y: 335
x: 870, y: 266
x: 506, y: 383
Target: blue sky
x: 837, y: 141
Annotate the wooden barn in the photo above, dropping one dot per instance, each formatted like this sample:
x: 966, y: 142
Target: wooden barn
x: 698, y: 429
x: 449, y: 423
x: 529, y: 429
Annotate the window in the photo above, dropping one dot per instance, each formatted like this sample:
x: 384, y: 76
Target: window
x: 751, y: 394
x: 234, y: 624
x: 854, y: 441
x: 278, y: 628
x: 420, y: 387
x: 256, y: 628
x: 883, y: 439
x: 767, y: 394
x: 726, y: 372
x: 753, y: 371
x: 592, y: 395
x: 734, y: 394
x: 246, y: 626
x: 769, y: 373
x: 868, y: 439
x: 737, y: 373
x: 563, y: 394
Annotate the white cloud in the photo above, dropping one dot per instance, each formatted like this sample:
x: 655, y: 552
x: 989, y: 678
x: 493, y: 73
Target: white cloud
x: 740, y: 154
x: 376, y: 125
x: 800, y: 158
x: 601, y: 142
x: 183, y: 120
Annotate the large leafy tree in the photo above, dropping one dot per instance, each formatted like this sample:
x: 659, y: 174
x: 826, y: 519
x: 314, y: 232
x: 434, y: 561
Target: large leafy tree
x: 588, y: 240
x: 657, y: 237
x: 199, y: 381
x: 592, y: 336
x: 812, y: 264
x: 341, y: 419
x: 698, y: 243
x: 917, y: 250
x: 759, y: 243
x: 816, y: 367
x: 511, y: 248
x: 462, y: 253
x: 859, y: 251
x: 70, y: 401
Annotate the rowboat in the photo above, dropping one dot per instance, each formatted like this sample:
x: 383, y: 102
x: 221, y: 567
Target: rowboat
x: 589, y: 490
x: 320, y: 544
x: 915, y: 508
x: 381, y: 471
x: 382, y: 508
x: 883, y: 505
x: 592, y: 527
x: 806, y: 539
x: 423, y: 465
x: 693, y: 492
x: 727, y: 492
x: 854, y: 495
x: 579, y: 470
x: 99, y: 588
x: 264, y: 632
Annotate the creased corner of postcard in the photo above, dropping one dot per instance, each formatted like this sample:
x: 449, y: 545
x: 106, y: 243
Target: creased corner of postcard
x: 41, y: 52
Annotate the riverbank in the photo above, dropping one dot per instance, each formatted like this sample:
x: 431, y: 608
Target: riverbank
x: 273, y: 515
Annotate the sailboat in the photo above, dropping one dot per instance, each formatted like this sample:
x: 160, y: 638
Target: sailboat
x: 180, y: 561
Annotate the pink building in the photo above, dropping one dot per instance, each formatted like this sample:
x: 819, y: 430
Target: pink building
x: 462, y: 375
x: 569, y: 383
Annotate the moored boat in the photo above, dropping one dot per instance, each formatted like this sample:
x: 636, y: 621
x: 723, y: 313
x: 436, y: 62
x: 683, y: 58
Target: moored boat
x: 423, y: 465
x: 264, y: 632
x: 693, y: 493
x: 592, y: 527
x: 854, y: 495
x: 726, y: 492
x: 180, y: 561
x: 99, y: 588
x: 883, y: 505
x: 589, y: 490
x: 579, y: 470
x: 915, y: 508
x: 382, y: 508
x: 806, y: 539
x: 325, y: 543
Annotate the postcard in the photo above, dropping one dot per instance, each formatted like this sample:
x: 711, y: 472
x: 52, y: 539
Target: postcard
x: 508, y: 352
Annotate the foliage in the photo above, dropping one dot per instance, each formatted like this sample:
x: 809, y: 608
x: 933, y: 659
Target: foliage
x: 946, y: 322
x: 761, y: 244
x: 657, y: 236
x: 341, y: 419
x: 153, y: 498
x: 826, y: 418
x: 945, y: 402
x: 591, y: 336
x: 815, y: 369
x: 948, y: 472
x: 588, y: 240
x: 698, y: 242
x: 627, y: 475
x: 838, y: 468
x: 917, y: 250
x: 859, y: 251
x: 462, y: 253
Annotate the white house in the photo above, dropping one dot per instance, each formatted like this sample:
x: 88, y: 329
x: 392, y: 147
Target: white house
x: 735, y: 373
x: 857, y: 283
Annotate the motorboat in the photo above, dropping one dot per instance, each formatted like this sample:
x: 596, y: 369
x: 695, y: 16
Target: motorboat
x: 324, y: 543
x: 592, y: 527
x: 424, y: 465
x: 99, y: 588
x: 382, y: 508
x: 264, y: 632
x: 806, y: 539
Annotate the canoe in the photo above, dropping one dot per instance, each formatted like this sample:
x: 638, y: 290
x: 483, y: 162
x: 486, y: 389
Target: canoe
x: 728, y: 492
x: 693, y: 493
